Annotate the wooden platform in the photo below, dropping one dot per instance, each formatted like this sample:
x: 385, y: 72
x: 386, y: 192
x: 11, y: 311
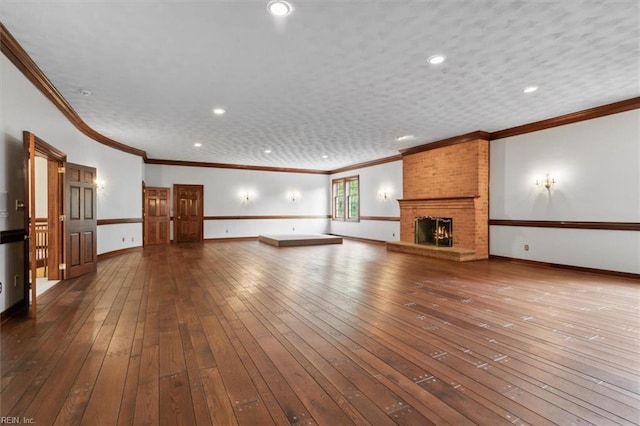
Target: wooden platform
x: 447, y: 253
x: 295, y: 240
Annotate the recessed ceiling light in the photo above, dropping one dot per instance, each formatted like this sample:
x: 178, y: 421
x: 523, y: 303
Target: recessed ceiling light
x: 279, y: 8
x: 197, y: 144
x: 86, y: 92
x: 325, y: 156
x: 267, y: 151
x: 436, y: 59
x: 404, y: 138
x: 530, y: 89
x: 219, y: 111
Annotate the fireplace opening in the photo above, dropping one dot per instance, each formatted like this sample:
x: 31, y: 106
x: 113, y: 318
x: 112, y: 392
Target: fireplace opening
x: 435, y: 231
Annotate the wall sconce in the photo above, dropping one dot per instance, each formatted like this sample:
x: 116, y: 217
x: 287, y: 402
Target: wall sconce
x: 246, y: 195
x: 548, y: 182
x: 99, y: 184
x: 384, y: 194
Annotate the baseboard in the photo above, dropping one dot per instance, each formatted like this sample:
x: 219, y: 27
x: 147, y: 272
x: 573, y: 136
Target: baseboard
x: 114, y: 253
x: 568, y: 267
x: 15, y: 310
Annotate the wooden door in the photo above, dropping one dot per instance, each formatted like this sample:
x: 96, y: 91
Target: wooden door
x: 188, y: 213
x: 156, y: 215
x: 29, y: 144
x: 80, y: 217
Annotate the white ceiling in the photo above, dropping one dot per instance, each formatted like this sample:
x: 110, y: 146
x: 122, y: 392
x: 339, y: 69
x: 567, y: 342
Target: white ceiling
x: 337, y: 78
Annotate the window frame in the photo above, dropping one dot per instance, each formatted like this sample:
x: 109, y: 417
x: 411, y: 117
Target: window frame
x: 345, y: 214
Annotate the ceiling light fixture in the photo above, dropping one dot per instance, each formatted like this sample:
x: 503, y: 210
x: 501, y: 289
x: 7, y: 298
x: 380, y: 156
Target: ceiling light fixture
x: 436, y: 59
x: 279, y: 8
x: 267, y: 151
x: 325, y: 156
x: 530, y: 89
x: 197, y: 144
x: 219, y: 111
x: 86, y: 92
x: 404, y: 138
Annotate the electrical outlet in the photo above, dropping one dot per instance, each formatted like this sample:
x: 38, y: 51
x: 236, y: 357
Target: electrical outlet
x: 131, y: 239
x: 393, y: 235
x: 526, y: 247
x: 123, y: 239
x: 293, y: 229
x: 0, y: 286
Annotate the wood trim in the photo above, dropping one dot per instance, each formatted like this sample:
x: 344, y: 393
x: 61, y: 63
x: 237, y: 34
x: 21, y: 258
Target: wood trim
x: 21, y: 59
x: 232, y: 166
x: 119, y: 221
x: 114, y: 253
x: 461, y: 197
x: 478, y: 134
x: 608, y: 226
x: 47, y: 150
x: 569, y: 267
x: 219, y: 240
x: 13, y: 236
x: 19, y: 308
x: 367, y: 164
x: 266, y: 217
x: 586, y: 114
x: 381, y: 218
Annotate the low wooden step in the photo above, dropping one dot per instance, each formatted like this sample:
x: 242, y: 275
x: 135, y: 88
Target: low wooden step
x: 448, y: 253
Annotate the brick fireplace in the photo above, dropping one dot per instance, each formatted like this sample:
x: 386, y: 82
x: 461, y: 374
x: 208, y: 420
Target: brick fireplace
x: 447, y: 179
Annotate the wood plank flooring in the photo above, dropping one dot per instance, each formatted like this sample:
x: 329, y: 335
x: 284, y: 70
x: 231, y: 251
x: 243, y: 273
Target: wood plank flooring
x: 240, y: 332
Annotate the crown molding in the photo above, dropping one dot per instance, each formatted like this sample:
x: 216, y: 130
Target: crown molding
x: 232, y: 166
x: 367, y: 164
x: 574, y: 117
x: 21, y: 59
x: 467, y: 137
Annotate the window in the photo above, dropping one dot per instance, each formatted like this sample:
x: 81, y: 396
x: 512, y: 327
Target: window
x: 346, y: 198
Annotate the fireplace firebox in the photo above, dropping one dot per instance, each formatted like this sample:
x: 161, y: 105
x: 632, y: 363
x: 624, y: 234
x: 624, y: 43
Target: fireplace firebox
x: 437, y: 231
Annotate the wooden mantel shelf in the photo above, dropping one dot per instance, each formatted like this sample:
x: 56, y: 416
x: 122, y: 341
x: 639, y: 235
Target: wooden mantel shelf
x: 460, y: 197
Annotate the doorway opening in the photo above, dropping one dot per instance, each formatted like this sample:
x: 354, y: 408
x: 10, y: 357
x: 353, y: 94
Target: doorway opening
x: 42, y: 217
x: 46, y: 276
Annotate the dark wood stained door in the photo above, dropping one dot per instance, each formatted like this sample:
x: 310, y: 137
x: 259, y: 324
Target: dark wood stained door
x: 156, y: 215
x: 80, y: 217
x: 188, y: 213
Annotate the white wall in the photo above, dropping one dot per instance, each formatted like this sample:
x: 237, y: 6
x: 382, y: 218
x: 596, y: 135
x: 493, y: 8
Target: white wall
x: 25, y: 108
x: 374, y: 180
x: 270, y: 195
x: 596, y: 165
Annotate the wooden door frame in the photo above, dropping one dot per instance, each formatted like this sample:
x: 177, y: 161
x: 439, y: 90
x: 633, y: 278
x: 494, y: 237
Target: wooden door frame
x: 144, y: 186
x: 55, y: 208
x: 176, y: 219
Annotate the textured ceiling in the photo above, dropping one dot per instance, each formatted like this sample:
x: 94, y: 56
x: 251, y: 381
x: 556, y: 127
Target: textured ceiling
x: 336, y: 78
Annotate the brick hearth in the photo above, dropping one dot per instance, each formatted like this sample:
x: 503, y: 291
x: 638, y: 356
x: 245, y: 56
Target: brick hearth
x: 447, y: 179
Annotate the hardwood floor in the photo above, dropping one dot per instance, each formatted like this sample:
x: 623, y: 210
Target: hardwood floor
x: 246, y: 333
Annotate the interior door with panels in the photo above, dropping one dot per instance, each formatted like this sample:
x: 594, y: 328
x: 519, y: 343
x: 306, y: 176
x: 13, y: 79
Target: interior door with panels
x: 80, y: 217
x: 188, y: 213
x: 156, y: 215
